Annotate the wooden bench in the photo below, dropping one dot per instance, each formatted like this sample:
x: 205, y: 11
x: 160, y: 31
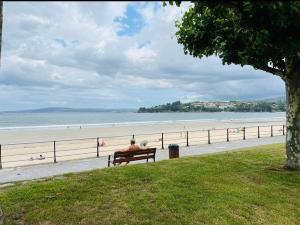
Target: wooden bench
x: 128, y: 156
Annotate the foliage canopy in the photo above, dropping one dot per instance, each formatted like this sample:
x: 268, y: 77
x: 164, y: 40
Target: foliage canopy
x: 265, y: 35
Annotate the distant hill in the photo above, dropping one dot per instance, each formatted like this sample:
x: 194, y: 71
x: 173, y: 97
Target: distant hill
x: 61, y: 109
x: 275, y: 105
x: 276, y: 99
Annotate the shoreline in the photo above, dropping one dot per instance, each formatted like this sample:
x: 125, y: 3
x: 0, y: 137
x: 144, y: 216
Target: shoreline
x: 136, y: 123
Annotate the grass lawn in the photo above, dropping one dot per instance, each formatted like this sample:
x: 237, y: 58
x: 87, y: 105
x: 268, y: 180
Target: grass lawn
x: 240, y: 187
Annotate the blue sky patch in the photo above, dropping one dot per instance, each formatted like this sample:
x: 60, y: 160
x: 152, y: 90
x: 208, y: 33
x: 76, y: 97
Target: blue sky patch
x: 132, y: 22
x: 61, y: 42
x: 156, y: 6
x: 144, y: 44
x: 75, y: 42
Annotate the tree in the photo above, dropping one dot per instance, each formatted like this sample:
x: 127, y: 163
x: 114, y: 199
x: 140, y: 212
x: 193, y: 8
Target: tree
x: 1, y: 22
x: 265, y: 35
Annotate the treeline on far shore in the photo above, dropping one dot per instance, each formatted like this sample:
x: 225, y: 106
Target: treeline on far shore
x: 232, y: 106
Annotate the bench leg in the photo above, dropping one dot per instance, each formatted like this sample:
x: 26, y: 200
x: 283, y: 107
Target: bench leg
x: 109, y: 161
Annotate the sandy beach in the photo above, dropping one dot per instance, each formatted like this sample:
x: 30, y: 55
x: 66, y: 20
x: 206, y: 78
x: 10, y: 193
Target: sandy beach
x: 115, y: 138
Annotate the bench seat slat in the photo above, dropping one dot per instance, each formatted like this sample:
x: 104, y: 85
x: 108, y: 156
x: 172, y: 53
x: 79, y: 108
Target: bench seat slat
x: 129, y: 159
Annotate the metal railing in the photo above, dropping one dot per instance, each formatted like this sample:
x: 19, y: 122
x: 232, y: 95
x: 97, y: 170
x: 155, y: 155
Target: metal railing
x: 20, y: 154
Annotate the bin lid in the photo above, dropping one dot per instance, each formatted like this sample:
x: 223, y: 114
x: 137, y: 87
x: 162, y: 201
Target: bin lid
x: 173, y: 145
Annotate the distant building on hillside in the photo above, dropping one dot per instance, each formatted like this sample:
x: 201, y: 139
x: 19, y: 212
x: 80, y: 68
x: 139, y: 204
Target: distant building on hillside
x: 221, y: 105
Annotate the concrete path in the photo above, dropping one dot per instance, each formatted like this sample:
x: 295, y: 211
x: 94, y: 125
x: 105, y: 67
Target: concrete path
x: 46, y: 170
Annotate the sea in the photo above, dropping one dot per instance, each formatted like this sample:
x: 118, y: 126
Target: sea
x: 56, y: 120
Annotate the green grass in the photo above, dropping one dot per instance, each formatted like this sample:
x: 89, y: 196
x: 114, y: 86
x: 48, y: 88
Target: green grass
x: 240, y: 187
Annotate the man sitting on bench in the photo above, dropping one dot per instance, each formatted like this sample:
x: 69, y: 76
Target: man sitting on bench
x: 132, y: 153
x: 131, y: 147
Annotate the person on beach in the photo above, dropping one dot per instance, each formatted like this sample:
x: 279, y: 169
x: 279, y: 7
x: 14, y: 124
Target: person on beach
x: 102, y: 143
x: 38, y: 158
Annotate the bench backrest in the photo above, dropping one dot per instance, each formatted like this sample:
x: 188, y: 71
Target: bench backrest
x: 147, y: 151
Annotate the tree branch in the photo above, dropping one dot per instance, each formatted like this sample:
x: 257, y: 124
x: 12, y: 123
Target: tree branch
x: 274, y: 71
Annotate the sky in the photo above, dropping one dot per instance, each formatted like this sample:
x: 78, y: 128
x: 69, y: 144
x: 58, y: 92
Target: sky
x: 111, y: 55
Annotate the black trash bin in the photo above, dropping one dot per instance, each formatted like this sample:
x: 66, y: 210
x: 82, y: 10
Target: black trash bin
x: 173, y: 151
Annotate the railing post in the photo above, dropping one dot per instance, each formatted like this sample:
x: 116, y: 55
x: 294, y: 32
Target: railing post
x: 187, y: 138
x: 97, y: 147
x: 283, y: 129
x: 244, y: 134
x: 0, y: 156
x: 208, y: 136
x: 271, y: 130
x: 54, y: 151
x: 258, y: 134
x: 162, y: 140
x: 227, y: 135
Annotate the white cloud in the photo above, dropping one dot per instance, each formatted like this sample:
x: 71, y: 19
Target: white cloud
x: 141, y: 82
x: 140, y: 55
x: 73, y: 47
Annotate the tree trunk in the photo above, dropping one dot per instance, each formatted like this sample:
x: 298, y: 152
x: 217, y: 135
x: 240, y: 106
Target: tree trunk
x: 293, y: 123
x: 1, y: 23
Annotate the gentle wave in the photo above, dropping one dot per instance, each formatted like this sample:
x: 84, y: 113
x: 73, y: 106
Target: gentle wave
x: 63, y: 126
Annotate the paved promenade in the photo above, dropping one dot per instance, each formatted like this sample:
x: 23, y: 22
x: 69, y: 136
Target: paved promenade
x: 46, y: 170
